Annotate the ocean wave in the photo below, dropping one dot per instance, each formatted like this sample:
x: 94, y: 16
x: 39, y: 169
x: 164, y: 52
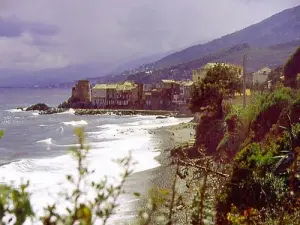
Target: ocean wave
x: 14, y: 110
x: 109, y: 126
x: 43, y: 125
x: 46, y: 141
x: 35, y: 113
x: 76, y: 123
x: 70, y: 111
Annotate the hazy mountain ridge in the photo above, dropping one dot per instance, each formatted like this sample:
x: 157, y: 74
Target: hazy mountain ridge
x: 282, y: 27
x: 257, y: 58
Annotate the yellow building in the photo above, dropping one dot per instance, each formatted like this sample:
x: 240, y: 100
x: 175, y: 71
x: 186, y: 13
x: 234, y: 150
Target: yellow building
x: 198, y: 74
x: 248, y: 93
x: 122, y: 94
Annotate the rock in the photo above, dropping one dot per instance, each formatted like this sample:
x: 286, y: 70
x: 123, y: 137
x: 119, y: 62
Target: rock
x: 22, y: 108
x: 161, y: 117
x: 52, y: 111
x: 38, y: 107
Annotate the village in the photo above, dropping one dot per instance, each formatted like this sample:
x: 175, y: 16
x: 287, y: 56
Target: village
x: 164, y: 95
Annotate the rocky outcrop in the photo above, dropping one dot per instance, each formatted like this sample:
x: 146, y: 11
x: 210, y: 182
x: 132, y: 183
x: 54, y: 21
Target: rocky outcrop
x: 75, y: 103
x: 52, y: 111
x: 21, y: 108
x: 44, y: 109
x: 38, y: 107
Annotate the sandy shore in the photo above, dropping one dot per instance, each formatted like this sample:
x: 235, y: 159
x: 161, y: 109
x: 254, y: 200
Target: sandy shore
x: 165, y: 139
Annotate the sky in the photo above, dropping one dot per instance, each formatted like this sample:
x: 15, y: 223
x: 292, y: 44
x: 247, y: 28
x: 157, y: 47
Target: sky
x: 43, y: 34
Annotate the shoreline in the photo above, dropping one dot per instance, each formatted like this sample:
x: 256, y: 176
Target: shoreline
x: 166, y: 138
x: 44, y: 109
x: 123, y: 112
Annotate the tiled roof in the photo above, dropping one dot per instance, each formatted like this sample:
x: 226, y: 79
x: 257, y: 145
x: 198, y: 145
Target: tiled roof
x: 168, y: 81
x: 126, y: 86
x: 187, y: 83
x: 105, y: 86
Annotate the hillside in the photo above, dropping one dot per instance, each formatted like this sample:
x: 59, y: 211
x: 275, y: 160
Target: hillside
x: 282, y: 27
x: 257, y: 58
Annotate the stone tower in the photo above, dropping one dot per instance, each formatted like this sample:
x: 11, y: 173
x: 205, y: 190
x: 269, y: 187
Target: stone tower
x: 82, y: 91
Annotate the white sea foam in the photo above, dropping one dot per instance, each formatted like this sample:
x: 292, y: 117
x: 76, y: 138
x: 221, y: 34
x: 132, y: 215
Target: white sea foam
x: 35, y: 113
x: 46, y: 141
x: 48, y: 176
x: 76, y: 123
x: 14, y: 110
x: 70, y: 111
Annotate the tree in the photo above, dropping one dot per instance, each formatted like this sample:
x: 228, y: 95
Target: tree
x: 291, y: 69
x: 221, y: 81
x: 274, y: 76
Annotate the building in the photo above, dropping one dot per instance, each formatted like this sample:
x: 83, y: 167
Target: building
x: 122, y: 95
x: 185, y: 91
x: 100, y: 95
x: 153, y: 99
x: 261, y: 76
x: 198, y: 74
x: 127, y: 95
x: 170, y: 93
x: 81, y: 92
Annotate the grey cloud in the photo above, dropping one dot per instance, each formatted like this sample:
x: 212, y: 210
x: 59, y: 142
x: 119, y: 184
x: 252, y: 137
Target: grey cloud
x: 114, y: 31
x: 13, y: 27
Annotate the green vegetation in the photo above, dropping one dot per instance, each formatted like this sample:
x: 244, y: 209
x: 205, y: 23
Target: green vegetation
x: 274, y: 76
x: 260, y: 147
x: 219, y: 83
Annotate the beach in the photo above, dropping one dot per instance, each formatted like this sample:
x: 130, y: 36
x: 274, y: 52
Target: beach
x: 161, y: 177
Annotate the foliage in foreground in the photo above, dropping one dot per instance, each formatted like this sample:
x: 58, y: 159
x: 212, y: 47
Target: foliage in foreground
x: 264, y: 183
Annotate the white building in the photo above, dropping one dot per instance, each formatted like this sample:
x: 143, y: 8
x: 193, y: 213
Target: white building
x: 261, y: 76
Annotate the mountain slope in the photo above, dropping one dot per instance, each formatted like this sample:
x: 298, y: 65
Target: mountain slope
x: 280, y: 28
x: 257, y: 58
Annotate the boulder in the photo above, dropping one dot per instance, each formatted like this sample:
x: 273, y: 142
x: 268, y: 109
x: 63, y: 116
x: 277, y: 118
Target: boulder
x: 38, y: 107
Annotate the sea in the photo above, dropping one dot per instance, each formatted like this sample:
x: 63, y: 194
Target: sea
x: 35, y: 147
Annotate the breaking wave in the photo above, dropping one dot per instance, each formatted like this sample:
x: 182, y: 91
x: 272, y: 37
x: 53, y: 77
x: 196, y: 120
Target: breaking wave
x: 70, y: 111
x: 14, y: 110
x: 76, y: 123
x: 46, y: 141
